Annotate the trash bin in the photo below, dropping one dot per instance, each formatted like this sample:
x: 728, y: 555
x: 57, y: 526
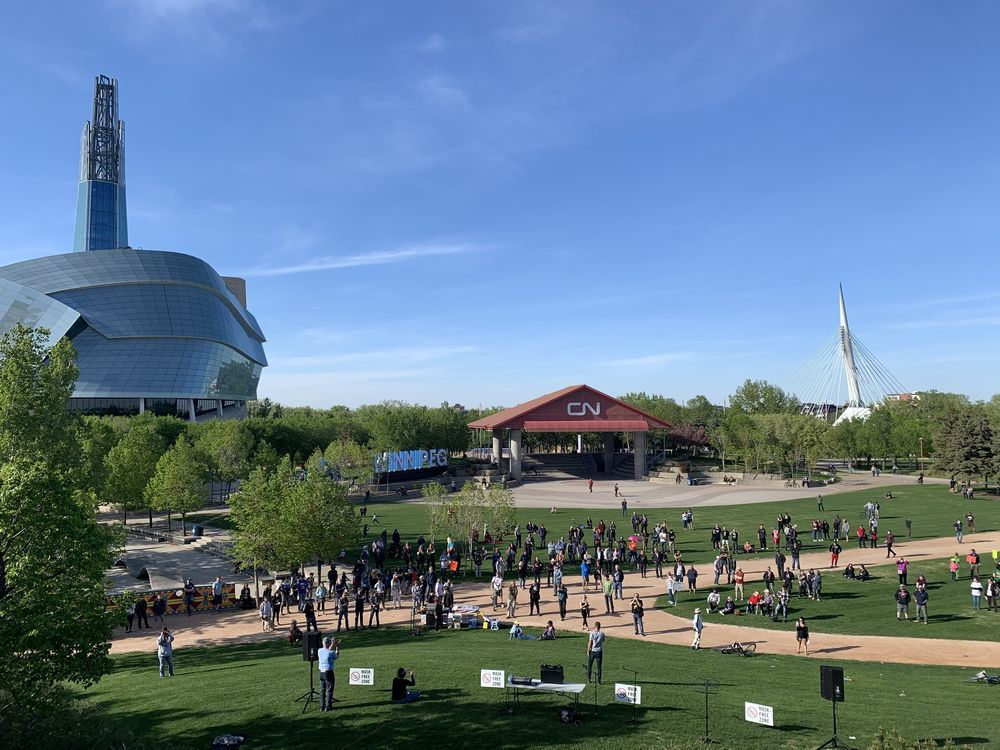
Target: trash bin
x: 197, y: 530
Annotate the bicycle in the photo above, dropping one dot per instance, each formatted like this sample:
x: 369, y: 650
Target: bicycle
x: 746, y: 649
x: 791, y: 483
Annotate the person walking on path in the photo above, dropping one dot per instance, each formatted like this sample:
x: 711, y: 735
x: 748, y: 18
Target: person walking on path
x: 595, y: 652
x: 921, y: 597
x: 563, y: 597
x: 697, y: 625
x: 903, y: 598
x: 637, y: 613
x: 802, y: 635
x: 958, y: 530
x: 590, y: 486
x: 835, y: 550
x: 977, y: 591
x: 585, y: 611
x: 890, y: 539
x: 327, y: 657
x: 165, y: 651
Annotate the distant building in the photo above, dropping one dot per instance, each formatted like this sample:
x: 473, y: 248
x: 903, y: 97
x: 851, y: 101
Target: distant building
x: 154, y: 331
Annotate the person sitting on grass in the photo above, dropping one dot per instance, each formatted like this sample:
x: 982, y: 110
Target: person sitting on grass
x: 863, y: 574
x: 518, y: 634
x: 400, y: 683
x: 550, y: 632
x: 294, y: 634
x: 749, y: 548
x: 849, y: 571
x: 713, y: 601
x: 729, y: 608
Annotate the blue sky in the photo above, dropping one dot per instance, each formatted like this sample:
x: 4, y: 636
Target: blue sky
x: 482, y: 201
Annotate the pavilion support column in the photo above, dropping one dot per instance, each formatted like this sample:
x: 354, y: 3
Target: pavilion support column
x: 218, y: 407
x: 142, y: 405
x: 609, y: 452
x: 191, y: 410
x: 639, y: 441
x: 579, y: 443
x: 515, y: 454
x: 498, y: 448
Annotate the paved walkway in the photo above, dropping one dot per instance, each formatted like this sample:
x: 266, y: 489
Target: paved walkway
x: 209, y: 629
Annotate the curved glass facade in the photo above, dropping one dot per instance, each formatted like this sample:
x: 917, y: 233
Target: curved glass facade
x: 145, y: 324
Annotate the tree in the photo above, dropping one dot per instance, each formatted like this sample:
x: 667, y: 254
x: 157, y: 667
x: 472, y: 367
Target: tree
x: 97, y: 438
x: 228, y: 444
x: 470, y: 511
x: 964, y: 447
x: 178, y: 483
x: 257, y: 524
x: 760, y: 397
x: 129, y: 466
x: 349, y: 458
x: 55, y: 625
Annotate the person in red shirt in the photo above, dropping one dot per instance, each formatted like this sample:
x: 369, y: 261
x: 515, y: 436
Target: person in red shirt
x: 754, y: 601
x: 738, y: 577
x: 862, y: 537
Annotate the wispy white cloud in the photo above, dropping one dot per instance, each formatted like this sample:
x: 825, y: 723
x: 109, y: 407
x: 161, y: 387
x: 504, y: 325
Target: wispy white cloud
x: 442, y: 90
x: 972, y: 321
x: 374, y: 258
x: 374, y: 358
x: 434, y: 43
x: 651, y: 360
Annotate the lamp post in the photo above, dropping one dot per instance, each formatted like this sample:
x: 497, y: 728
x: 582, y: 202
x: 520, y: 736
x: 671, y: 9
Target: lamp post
x: 921, y: 454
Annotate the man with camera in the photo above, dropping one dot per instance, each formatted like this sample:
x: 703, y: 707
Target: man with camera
x: 326, y: 657
x: 165, y: 651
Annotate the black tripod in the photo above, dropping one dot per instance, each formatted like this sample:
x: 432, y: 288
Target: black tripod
x: 593, y: 685
x: 834, y: 741
x: 312, y: 694
x: 635, y: 679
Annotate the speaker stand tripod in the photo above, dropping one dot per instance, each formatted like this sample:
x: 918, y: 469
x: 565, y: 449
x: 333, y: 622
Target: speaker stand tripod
x: 834, y: 741
x: 312, y: 694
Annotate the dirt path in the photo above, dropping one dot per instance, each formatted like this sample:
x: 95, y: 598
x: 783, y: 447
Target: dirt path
x: 209, y: 629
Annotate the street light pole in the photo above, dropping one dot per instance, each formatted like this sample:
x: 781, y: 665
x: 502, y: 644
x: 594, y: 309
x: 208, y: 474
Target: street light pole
x: 921, y: 454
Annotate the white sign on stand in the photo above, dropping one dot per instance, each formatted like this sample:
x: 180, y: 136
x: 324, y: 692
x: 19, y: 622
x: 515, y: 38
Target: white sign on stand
x: 491, y: 678
x: 758, y: 713
x: 625, y: 693
x: 361, y: 676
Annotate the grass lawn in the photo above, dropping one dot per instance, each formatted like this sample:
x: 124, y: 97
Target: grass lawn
x: 251, y: 688
x: 931, y: 508
x: 868, y: 608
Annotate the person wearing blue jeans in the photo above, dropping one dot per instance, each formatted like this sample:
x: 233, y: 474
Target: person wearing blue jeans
x: 977, y: 592
x: 327, y: 657
x: 400, y: 683
x: 637, y: 613
x: 958, y: 531
x: 165, y: 651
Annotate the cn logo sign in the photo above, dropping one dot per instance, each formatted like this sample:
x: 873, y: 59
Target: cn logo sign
x: 581, y: 408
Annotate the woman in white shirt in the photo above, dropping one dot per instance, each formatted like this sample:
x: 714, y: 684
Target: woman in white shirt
x: 977, y: 592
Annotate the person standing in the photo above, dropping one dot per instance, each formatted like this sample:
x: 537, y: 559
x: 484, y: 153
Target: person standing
x: 908, y: 524
x: 189, y: 592
x: 973, y: 559
x: 903, y: 602
x: 359, y: 608
x: 609, y: 600
x: 835, y: 550
x: 562, y: 596
x: 534, y: 600
x: 692, y: 576
x: 165, y: 651
x: 327, y: 657
x: 595, y: 652
x: 902, y: 565
x: 159, y: 608
x: 585, y: 611
x: 512, y: 600
x: 697, y: 625
x: 779, y: 562
x: 738, y: 577
x: 802, y: 635
x: 217, y: 588
x: 637, y: 613
x: 141, y: 606
x: 266, y: 614
x: 958, y: 530
x: 977, y: 591
x: 862, y: 538
x: 953, y: 566
x: 590, y: 486
x: 890, y: 539
x: 921, y: 598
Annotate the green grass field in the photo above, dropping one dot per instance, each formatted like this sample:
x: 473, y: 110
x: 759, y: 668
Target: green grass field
x: 868, y: 608
x: 251, y: 688
x: 931, y: 508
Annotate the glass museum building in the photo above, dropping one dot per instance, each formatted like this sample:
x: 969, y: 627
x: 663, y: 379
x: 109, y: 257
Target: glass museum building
x: 154, y: 331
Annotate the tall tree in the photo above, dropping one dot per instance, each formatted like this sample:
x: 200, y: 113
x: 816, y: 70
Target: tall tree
x: 761, y: 397
x: 964, y: 447
x: 129, y: 467
x: 54, y: 622
x: 178, y: 483
x: 228, y: 445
